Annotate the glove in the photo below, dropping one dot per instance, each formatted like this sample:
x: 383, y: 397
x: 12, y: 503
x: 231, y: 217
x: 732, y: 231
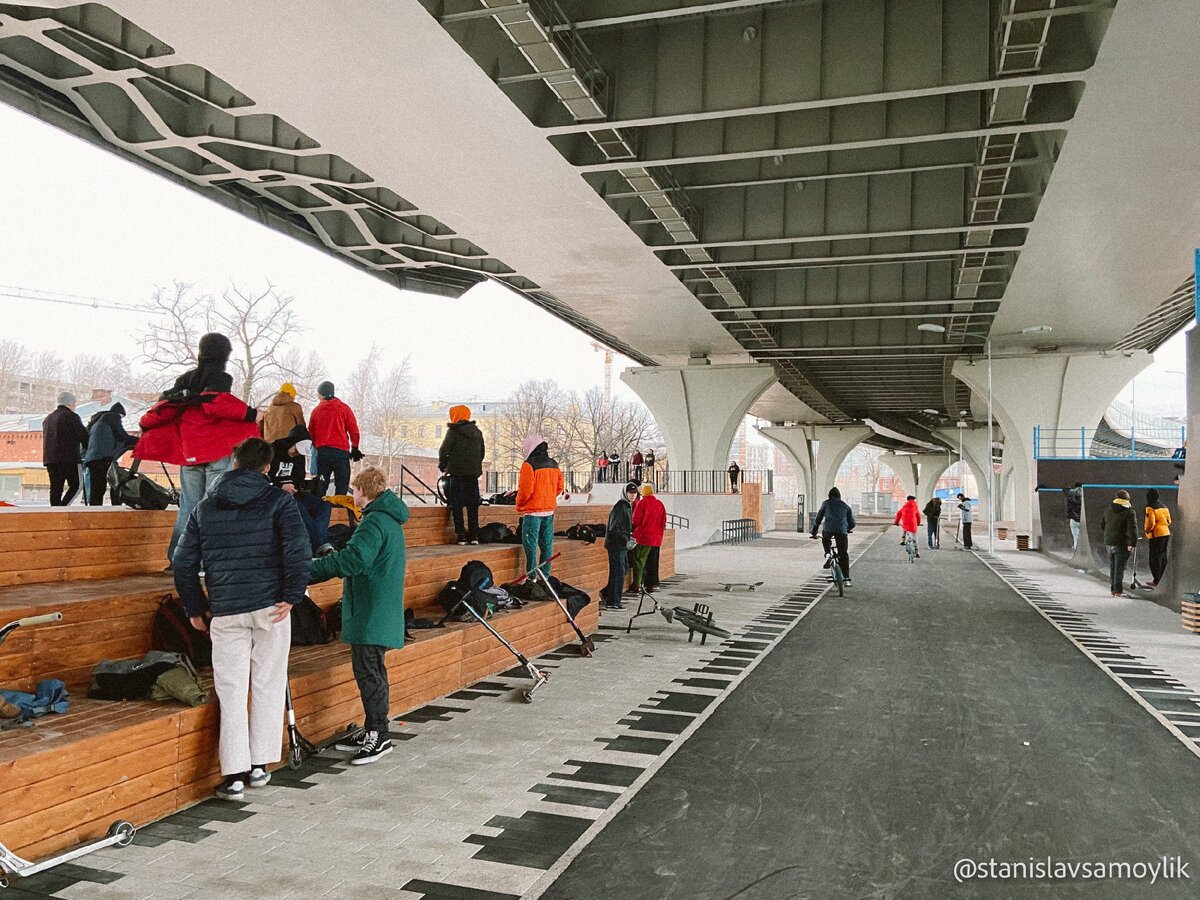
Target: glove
x: 356, y: 455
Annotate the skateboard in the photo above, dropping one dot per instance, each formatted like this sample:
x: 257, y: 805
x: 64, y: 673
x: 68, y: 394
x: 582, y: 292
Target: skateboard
x: 748, y: 585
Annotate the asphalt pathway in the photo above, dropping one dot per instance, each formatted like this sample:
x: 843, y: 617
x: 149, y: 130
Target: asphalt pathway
x: 928, y: 717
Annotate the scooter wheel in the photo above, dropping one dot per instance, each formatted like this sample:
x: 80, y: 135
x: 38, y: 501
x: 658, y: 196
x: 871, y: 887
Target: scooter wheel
x: 123, y: 831
x: 527, y: 696
x: 295, y: 758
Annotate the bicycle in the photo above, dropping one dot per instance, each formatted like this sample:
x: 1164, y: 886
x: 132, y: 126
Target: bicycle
x: 837, y: 576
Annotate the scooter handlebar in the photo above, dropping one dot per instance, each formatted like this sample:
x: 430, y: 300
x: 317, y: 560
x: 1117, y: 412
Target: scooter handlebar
x: 46, y: 619
x: 531, y: 571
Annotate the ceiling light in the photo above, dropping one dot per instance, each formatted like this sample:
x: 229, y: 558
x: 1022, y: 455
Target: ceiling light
x: 1037, y: 329
x: 931, y: 327
x: 930, y: 412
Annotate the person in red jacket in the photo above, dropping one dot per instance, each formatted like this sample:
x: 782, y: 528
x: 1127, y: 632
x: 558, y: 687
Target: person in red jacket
x: 649, y: 523
x: 195, y: 425
x: 908, y: 517
x: 334, y: 433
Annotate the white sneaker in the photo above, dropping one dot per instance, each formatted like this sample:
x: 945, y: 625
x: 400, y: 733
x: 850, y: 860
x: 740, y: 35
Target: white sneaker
x: 259, y: 777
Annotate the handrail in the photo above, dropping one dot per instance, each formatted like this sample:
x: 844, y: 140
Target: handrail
x: 432, y: 492
x: 1106, y: 443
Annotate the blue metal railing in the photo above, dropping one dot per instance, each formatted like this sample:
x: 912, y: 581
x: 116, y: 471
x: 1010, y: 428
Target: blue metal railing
x: 1104, y: 443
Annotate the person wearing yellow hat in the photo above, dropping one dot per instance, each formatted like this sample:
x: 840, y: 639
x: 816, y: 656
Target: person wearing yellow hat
x: 282, y: 415
x: 461, y: 458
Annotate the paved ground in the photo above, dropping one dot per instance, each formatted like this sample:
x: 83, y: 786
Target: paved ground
x: 831, y: 748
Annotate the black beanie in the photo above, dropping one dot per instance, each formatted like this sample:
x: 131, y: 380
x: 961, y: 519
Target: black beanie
x: 214, y: 347
x: 325, y: 389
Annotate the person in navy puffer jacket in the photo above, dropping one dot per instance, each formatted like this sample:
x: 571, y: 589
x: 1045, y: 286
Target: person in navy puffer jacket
x: 835, y: 519
x: 249, y: 539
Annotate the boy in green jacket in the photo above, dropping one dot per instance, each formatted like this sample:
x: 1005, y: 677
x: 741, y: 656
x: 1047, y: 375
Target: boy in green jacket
x: 372, y: 566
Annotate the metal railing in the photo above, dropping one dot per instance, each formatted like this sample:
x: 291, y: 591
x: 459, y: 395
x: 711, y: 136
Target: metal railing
x: 1105, y: 443
x: 664, y: 481
x: 677, y: 522
x: 738, y: 531
x: 408, y: 480
x: 501, y: 482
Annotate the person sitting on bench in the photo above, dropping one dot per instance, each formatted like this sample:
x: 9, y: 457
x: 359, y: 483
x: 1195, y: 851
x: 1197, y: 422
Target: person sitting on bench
x: 288, y: 474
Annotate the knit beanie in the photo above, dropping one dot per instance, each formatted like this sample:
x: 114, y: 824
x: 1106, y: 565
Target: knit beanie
x: 325, y: 390
x: 460, y: 414
x: 214, y: 347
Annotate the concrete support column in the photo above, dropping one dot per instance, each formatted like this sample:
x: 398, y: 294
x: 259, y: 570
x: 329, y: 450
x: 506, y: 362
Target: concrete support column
x: 905, y: 468
x: 1060, y: 393
x: 698, y: 408
x: 818, y: 451
x: 974, y: 450
x: 930, y: 467
x: 1183, y: 562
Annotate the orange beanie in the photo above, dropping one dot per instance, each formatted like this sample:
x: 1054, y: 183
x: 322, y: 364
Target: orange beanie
x: 459, y: 414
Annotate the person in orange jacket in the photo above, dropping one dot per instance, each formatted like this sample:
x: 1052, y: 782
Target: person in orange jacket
x: 539, y: 485
x: 908, y: 517
x: 1157, y: 528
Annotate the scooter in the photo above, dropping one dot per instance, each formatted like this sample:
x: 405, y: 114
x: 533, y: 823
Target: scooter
x: 539, y: 676
x: 120, y: 833
x: 586, y: 645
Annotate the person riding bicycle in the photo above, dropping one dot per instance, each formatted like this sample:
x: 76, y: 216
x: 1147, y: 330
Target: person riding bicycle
x: 909, y: 518
x: 838, y: 519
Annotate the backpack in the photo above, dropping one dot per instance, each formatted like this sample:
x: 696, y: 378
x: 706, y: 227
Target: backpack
x: 572, y: 597
x: 309, y: 626
x: 495, y: 533
x: 454, y: 594
x: 129, y: 488
x: 172, y: 632
x: 333, y: 619
x: 475, y: 575
x: 580, y: 533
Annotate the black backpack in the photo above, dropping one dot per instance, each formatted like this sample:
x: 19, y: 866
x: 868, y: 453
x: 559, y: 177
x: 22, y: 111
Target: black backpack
x: 308, y: 624
x: 339, y: 535
x: 581, y: 533
x: 454, y: 595
x: 129, y: 488
x: 475, y: 575
x: 495, y: 533
x: 172, y: 631
x: 572, y: 597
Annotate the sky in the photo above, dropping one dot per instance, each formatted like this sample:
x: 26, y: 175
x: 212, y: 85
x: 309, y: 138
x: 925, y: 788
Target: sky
x: 76, y: 219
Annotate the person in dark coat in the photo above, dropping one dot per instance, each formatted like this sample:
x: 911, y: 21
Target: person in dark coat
x: 835, y: 521
x: 933, y: 518
x: 734, y: 471
x: 63, y: 440
x: 1074, y: 510
x: 289, y: 475
x: 107, y: 442
x: 637, y: 461
x: 247, y: 537
x: 614, y: 467
x: 1120, y: 536
x: 617, y: 539
x: 371, y: 567
x: 461, y: 458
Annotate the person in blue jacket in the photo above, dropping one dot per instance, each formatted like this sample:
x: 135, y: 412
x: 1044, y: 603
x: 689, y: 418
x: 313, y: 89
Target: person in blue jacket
x: 835, y: 519
x: 249, y: 540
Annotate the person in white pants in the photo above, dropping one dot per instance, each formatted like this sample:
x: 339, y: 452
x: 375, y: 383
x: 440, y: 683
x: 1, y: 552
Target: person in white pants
x: 250, y: 541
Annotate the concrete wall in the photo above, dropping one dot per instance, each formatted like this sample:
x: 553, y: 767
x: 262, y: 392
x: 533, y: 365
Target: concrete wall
x: 705, y: 511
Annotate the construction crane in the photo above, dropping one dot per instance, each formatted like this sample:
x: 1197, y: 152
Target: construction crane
x: 608, y: 363
x: 23, y: 293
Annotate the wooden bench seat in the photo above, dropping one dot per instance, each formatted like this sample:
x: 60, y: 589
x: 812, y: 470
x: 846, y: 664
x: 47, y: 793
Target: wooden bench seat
x: 112, y: 618
x: 67, y: 778
x: 42, y: 546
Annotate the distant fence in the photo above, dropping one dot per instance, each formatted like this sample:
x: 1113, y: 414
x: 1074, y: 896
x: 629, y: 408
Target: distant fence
x: 1105, y: 443
x: 665, y: 481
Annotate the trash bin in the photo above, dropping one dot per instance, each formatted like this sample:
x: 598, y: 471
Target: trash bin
x: 1023, y: 542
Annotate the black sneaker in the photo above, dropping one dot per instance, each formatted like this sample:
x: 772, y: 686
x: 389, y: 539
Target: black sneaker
x: 374, y: 746
x: 259, y: 777
x: 351, y: 743
x: 232, y: 788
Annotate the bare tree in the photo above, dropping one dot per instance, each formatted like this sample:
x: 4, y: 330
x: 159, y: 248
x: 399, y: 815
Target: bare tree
x: 46, y: 377
x: 86, y: 371
x: 14, y: 364
x: 535, y: 407
x: 305, y: 370
x: 382, y: 401
x: 260, y: 325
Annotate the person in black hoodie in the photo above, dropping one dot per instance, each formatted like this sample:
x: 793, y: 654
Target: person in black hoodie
x: 289, y: 475
x: 63, y: 436
x: 107, y: 442
x: 461, y: 458
x: 618, y: 538
x: 248, y: 538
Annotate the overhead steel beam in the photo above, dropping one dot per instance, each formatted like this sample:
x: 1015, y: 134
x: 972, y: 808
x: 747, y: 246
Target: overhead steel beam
x: 834, y: 261
x: 991, y: 84
x: 783, y: 151
x: 833, y: 238
x: 674, y: 12
x: 816, y: 307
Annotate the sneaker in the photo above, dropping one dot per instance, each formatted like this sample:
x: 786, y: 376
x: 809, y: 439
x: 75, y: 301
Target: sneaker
x: 614, y: 605
x: 651, y: 590
x: 351, y: 743
x: 846, y: 583
x: 462, y: 542
x: 634, y: 589
x: 232, y: 788
x: 259, y: 776
x: 374, y: 746
x: 473, y: 543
